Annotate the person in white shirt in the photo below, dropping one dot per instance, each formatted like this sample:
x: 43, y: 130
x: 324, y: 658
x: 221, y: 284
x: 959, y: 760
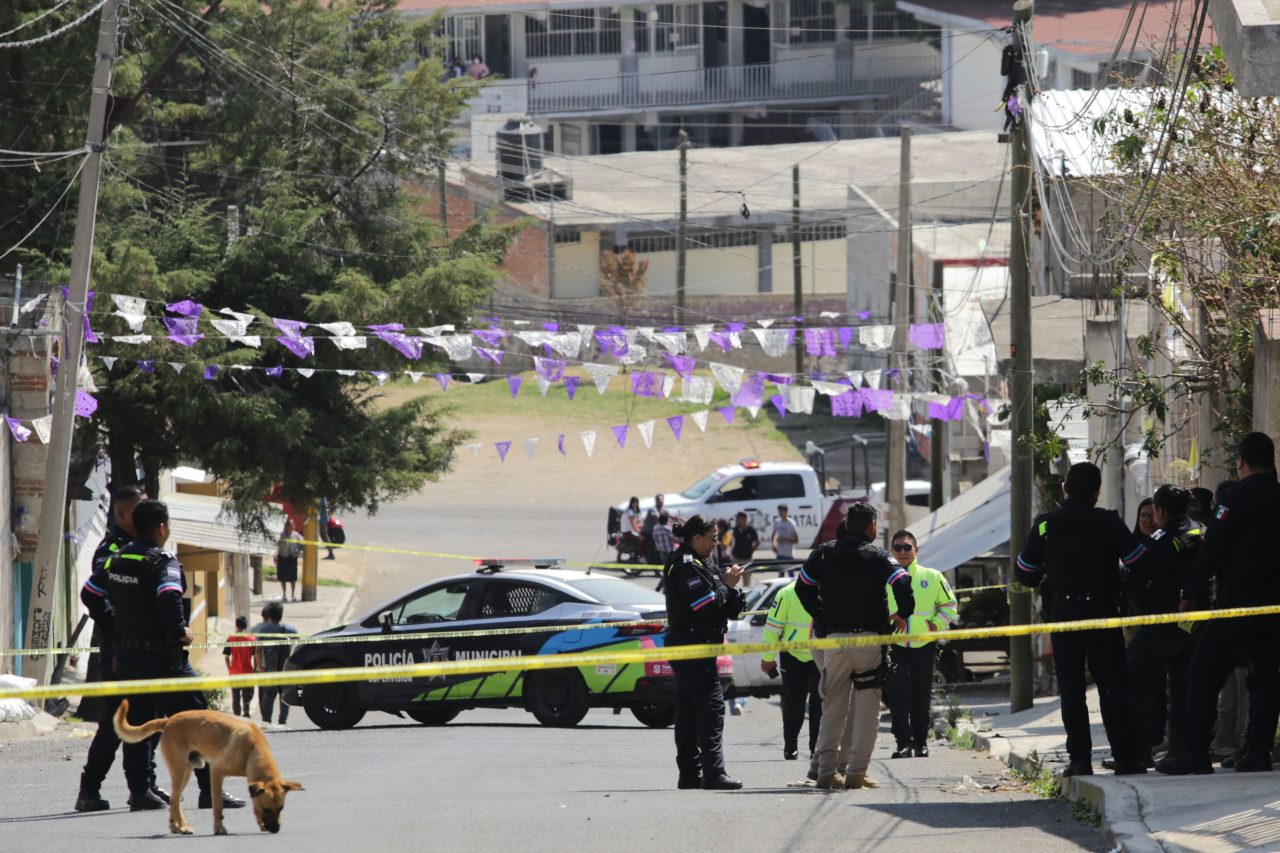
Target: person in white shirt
x: 785, y: 535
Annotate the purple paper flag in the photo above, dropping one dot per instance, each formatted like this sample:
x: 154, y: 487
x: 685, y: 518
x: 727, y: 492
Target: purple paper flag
x: 877, y: 399
x: 183, y: 330
x: 682, y: 363
x: 503, y: 447
x: 646, y: 383
x: 560, y: 443
x: 612, y: 341
x: 735, y: 327
x: 301, y: 347
x: 90, y: 337
x: 275, y: 372
x: 409, y: 347
x: 492, y: 354
x: 620, y: 433
x: 721, y: 339
x: 289, y: 328
x: 53, y: 366
x: 211, y: 371
x: 864, y: 315
x: 846, y: 336
x: 676, y: 422
x: 381, y: 375
x: 551, y: 327
x: 571, y: 385
x: 927, y: 335
x: 791, y: 337
x: 443, y: 379
x: 780, y: 378
x: 20, y: 433
x: 550, y: 369
x: 387, y: 327
x: 513, y: 382
x: 727, y: 413
x: 489, y: 336
x: 86, y: 405
x: 819, y: 342
x: 955, y: 409
x: 147, y: 365
x: 847, y: 405
x: 779, y: 403
x: 185, y: 308
x: 750, y: 392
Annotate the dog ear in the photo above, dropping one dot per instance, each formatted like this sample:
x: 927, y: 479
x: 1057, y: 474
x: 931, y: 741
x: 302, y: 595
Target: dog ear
x: 256, y: 789
x: 292, y: 786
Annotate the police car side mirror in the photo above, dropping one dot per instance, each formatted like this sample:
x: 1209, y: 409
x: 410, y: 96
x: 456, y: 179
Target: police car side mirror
x: 384, y: 619
x: 758, y: 619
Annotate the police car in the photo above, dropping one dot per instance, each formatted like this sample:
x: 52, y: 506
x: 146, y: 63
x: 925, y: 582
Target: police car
x: 496, y: 597
x: 748, y: 678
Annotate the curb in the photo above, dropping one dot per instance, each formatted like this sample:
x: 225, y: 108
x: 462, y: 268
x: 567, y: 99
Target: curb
x: 341, y: 612
x: 1117, y: 801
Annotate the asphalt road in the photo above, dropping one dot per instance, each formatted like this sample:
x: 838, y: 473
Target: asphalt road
x: 495, y: 780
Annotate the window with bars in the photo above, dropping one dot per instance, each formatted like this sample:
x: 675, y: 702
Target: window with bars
x: 568, y: 235
x: 466, y: 36
x: 678, y: 25
x: 818, y: 231
x: 574, y: 32
x: 663, y: 242
x: 811, y: 21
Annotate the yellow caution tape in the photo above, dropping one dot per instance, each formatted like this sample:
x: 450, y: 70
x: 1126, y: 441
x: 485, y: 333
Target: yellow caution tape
x: 564, y: 661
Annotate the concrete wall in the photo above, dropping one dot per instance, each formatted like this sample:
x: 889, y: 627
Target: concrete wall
x: 578, y: 267
x: 971, y: 81
x: 822, y: 267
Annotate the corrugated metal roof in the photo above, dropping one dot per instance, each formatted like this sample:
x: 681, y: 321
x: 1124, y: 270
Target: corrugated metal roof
x: 204, y: 522
x: 1062, y: 125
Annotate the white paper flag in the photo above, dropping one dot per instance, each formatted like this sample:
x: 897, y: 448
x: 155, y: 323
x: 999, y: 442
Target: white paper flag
x: 108, y: 360
x: 697, y: 389
x: 131, y: 339
x: 764, y: 324
x: 534, y: 339
x: 346, y: 373
x: 772, y: 341
x: 475, y: 377
x: 435, y: 331
x: 872, y: 377
x: 702, y: 333
x: 832, y: 389
x: 246, y: 319
x: 646, y: 432
x: 601, y: 374
x: 230, y: 328
x: 254, y: 341
x: 589, y: 441
x: 341, y: 329
x: 645, y: 332
x: 753, y: 410
x: 635, y: 354
x: 458, y: 347
x: 668, y: 385
x: 242, y: 367
x: 899, y: 410
x: 568, y: 344
x: 828, y: 315
x: 544, y: 384
x: 305, y: 372
x: 673, y: 342
x: 586, y: 331
x: 414, y: 375
x: 800, y: 399
x: 530, y: 445
x: 177, y: 366
x: 729, y: 377
x: 700, y: 418
x: 132, y: 308
x: 475, y: 449
x: 351, y: 343
x: 43, y: 426
x: 876, y: 338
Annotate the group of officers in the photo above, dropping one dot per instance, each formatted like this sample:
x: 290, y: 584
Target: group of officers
x: 847, y: 587
x: 1163, y: 684
x: 136, y: 595
x: 1085, y: 562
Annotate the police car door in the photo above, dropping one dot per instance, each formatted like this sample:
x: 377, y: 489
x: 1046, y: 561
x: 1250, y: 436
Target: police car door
x: 505, y: 604
x: 805, y: 511
x: 735, y: 495
x: 440, y: 608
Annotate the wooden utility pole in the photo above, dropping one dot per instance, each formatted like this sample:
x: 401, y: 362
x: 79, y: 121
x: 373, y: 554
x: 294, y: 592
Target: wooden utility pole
x: 1021, y: 394
x: 53, y: 509
x: 896, y: 440
x: 939, y: 441
x: 795, y: 262
x: 682, y: 226
x: 443, y: 184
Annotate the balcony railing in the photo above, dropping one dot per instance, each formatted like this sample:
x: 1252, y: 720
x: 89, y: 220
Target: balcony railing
x: 826, y: 78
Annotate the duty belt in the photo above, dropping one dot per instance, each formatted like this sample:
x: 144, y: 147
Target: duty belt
x: 142, y: 645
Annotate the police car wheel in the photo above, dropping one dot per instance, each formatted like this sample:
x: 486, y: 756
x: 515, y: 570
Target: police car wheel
x: 433, y: 716
x: 332, y: 706
x: 556, y: 698
x: 655, y: 716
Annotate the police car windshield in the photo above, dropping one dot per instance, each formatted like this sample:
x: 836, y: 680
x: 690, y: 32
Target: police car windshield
x: 616, y: 592
x: 701, y: 487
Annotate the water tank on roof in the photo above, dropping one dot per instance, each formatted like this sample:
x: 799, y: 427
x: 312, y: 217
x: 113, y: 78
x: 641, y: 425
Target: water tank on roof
x: 519, y: 152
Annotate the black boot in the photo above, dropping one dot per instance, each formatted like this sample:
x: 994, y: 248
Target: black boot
x: 145, y: 801
x: 89, y: 799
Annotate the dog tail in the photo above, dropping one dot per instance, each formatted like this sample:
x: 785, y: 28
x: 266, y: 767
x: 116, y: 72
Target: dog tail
x: 135, y: 734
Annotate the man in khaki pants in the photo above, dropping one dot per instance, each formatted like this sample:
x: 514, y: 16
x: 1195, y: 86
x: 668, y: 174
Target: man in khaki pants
x: 843, y: 586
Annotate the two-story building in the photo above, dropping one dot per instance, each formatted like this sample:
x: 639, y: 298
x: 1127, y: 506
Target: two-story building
x: 605, y: 77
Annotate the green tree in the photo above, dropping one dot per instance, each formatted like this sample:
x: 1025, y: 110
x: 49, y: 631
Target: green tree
x: 308, y: 118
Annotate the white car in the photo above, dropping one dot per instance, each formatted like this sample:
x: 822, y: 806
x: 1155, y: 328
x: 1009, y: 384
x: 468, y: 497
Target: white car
x: 748, y: 679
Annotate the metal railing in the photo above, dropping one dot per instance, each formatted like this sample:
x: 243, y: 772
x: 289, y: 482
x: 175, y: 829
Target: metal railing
x: 837, y: 77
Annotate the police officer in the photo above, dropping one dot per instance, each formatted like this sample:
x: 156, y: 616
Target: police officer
x: 139, y: 767
x: 146, y: 587
x: 789, y: 622
x: 842, y: 585
x: 1155, y: 586
x: 910, y: 685
x: 700, y: 603
x: 1076, y: 550
x: 1235, y: 550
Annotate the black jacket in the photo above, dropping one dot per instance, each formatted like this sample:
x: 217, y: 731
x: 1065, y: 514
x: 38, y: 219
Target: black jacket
x: 1077, y: 550
x: 146, y: 586
x: 699, y: 604
x: 1238, y: 545
x: 842, y: 585
x: 1155, y: 582
x: 95, y: 589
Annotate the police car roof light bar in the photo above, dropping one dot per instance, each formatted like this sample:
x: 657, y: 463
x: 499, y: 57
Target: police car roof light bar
x: 490, y: 565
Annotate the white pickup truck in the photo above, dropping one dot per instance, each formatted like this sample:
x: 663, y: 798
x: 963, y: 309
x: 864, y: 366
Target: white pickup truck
x: 757, y: 488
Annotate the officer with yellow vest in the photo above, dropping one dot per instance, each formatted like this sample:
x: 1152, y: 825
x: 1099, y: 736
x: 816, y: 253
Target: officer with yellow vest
x: 788, y: 622
x: 911, y: 684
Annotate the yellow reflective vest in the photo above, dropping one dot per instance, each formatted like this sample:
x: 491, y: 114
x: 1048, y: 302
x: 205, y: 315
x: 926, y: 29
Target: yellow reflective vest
x: 788, y: 622
x: 936, y: 604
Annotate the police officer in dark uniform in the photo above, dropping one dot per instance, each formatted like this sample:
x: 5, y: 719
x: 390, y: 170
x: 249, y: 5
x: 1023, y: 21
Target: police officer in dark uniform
x: 1235, y: 553
x: 1155, y: 586
x: 139, y: 764
x: 700, y: 602
x: 1074, y: 553
x: 146, y: 588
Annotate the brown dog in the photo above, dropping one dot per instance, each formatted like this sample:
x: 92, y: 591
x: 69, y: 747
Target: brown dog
x: 230, y: 746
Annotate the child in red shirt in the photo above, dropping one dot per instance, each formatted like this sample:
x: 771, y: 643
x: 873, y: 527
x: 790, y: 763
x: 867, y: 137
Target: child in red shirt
x: 240, y: 659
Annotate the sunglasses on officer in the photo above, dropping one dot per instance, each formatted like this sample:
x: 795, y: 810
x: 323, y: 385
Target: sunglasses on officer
x: 904, y: 547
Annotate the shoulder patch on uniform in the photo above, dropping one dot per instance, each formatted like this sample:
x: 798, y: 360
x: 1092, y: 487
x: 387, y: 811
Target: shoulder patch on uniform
x: 1222, y: 513
x: 688, y: 558
x: 1158, y: 535
x: 924, y: 584
x: 695, y: 582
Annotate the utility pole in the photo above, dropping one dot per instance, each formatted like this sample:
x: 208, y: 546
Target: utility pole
x: 444, y: 198
x: 795, y: 260
x: 896, y: 441
x: 53, y: 511
x: 1020, y: 386
x: 682, y: 226
x: 939, y: 443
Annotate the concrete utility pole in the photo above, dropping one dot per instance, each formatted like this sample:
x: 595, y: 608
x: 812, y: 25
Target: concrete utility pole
x: 682, y: 226
x: 1021, y: 394
x: 896, y: 440
x: 53, y: 511
x: 939, y: 441
x: 795, y: 260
